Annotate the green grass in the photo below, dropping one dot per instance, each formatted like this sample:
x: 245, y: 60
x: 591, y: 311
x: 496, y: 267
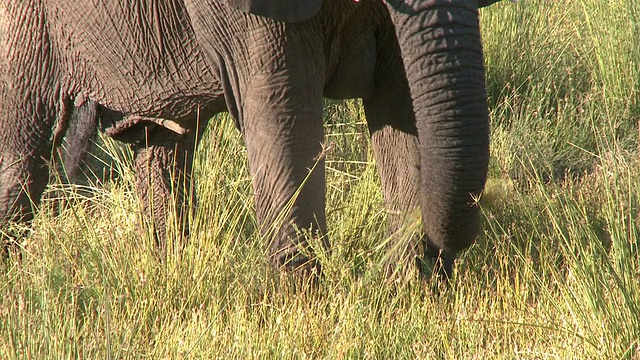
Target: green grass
x: 555, y: 273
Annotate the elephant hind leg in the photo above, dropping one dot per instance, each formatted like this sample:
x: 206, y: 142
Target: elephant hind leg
x: 27, y: 141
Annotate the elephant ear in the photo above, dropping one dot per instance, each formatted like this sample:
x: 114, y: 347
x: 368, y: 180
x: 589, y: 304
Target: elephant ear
x: 279, y: 10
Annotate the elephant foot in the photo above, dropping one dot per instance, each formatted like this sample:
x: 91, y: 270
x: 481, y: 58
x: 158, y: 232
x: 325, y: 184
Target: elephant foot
x: 10, y: 242
x: 299, y: 272
x: 303, y: 278
x: 7, y: 247
x: 437, y: 262
x: 297, y: 263
x: 401, y: 270
x: 403, y: 257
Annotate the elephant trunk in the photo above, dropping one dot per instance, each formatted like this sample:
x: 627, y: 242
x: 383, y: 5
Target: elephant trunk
x: 442, y: 53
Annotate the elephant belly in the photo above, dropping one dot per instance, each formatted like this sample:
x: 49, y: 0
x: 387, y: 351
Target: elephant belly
x: 144, y: 60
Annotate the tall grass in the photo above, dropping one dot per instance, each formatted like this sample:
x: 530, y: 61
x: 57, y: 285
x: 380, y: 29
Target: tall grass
x: 554, y: 274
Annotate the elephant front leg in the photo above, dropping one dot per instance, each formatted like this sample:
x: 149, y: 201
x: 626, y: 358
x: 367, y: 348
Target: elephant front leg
x: 163, y: 164
x: 273, y: 74
x: 395, y: 145
x: 284, y: 144
x: 392, y: 127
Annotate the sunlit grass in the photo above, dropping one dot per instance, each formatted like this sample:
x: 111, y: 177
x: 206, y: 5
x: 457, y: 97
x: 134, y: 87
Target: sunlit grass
x: 555, y: 273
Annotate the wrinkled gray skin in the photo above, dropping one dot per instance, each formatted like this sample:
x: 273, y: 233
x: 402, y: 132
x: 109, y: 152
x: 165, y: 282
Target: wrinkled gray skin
x: 187, y: 60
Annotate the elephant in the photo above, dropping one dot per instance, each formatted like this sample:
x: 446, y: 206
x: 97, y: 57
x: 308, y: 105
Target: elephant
x: 151, y: 73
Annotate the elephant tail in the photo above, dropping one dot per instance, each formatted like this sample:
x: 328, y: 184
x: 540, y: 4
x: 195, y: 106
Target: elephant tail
x: 79, y: 137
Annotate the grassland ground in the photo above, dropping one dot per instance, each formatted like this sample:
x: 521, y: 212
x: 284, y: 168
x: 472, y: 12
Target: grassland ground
x: 555, y: 273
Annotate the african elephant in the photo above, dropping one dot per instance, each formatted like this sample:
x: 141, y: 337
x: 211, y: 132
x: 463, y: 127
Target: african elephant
x: 154, y: 71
